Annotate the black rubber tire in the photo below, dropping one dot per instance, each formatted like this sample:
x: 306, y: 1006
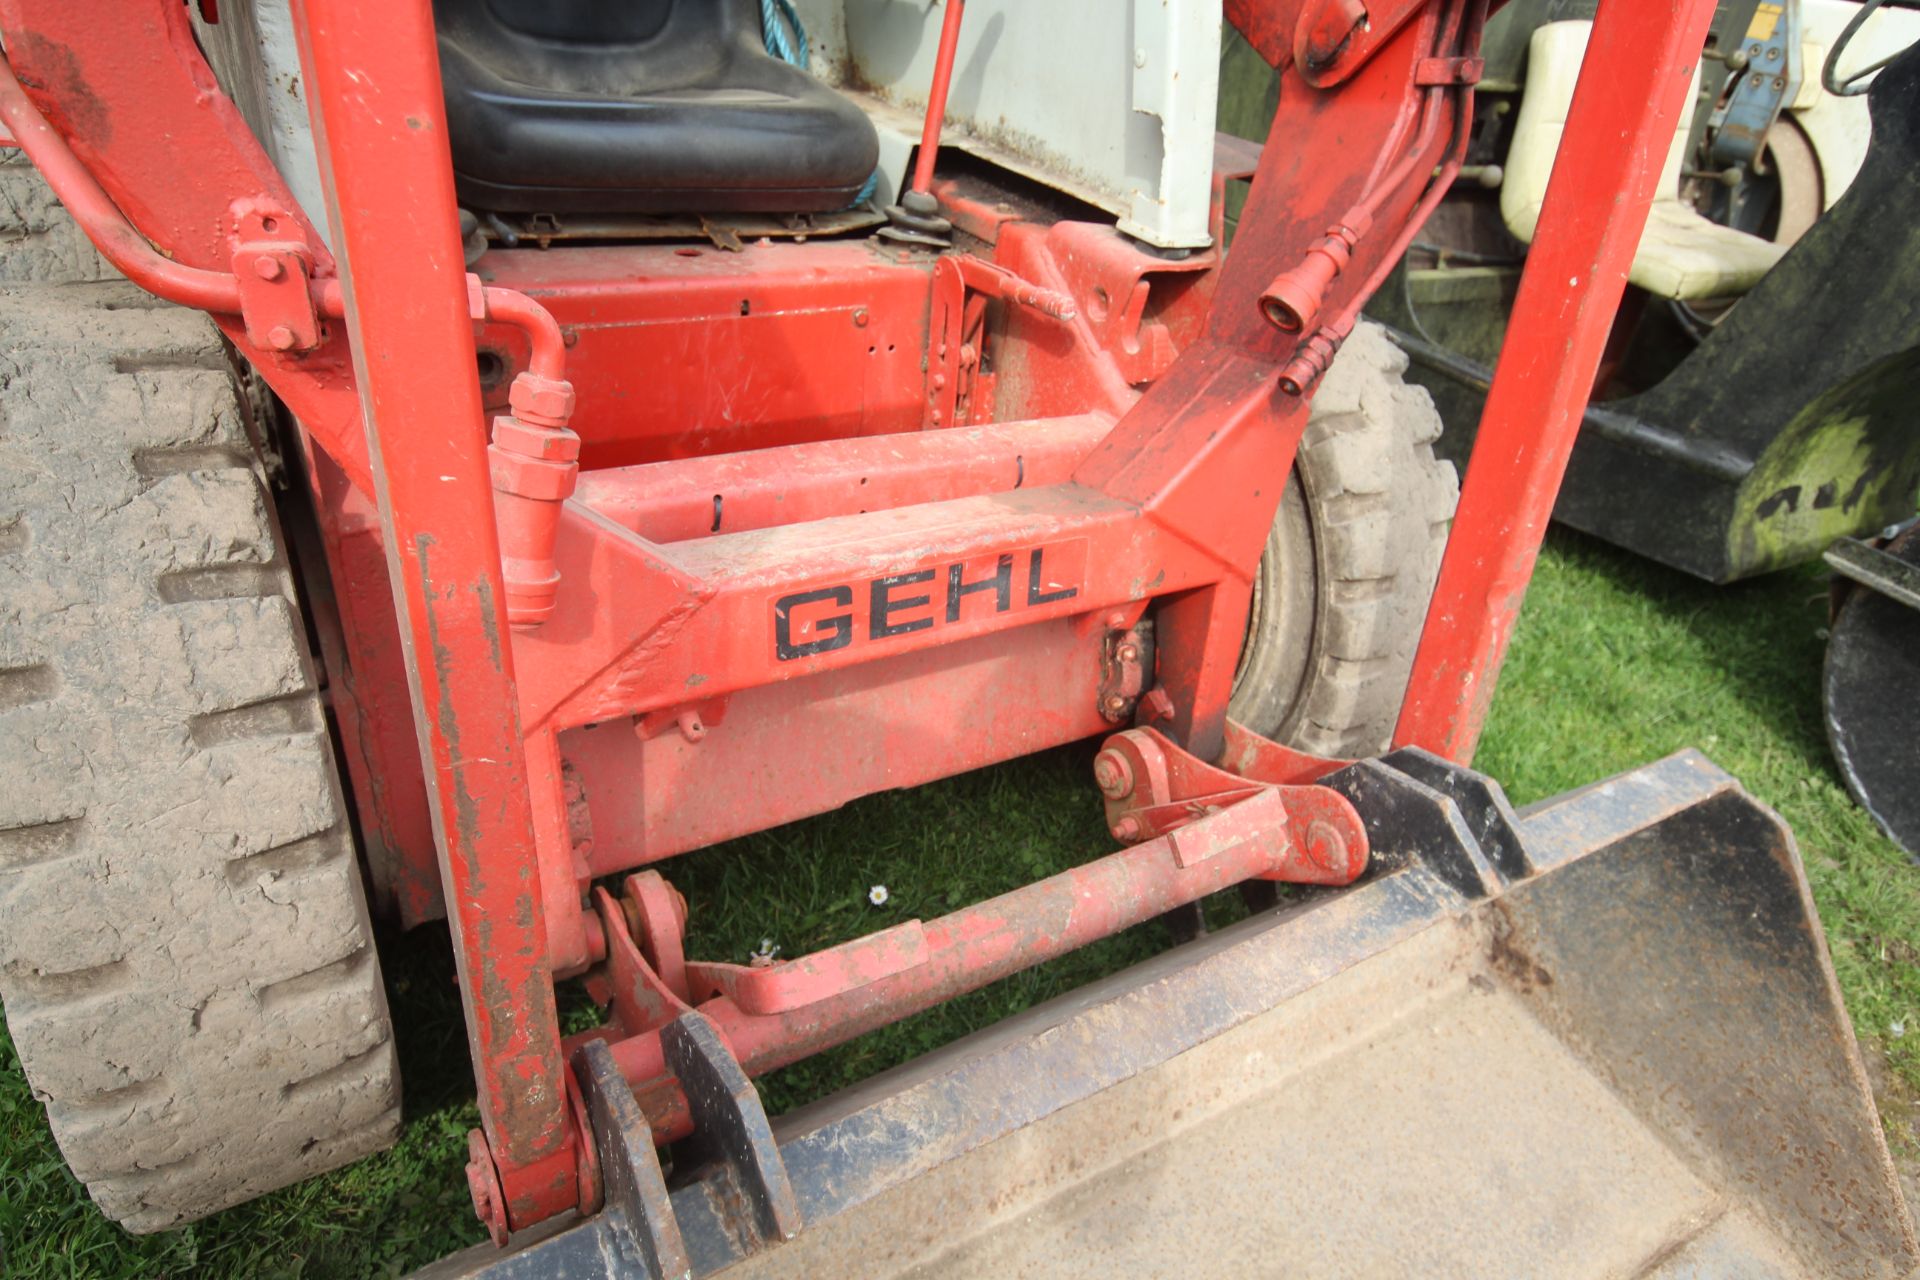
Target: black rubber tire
x: 185, y: 957
x: 1869, y: 689
x: 1343, y: 586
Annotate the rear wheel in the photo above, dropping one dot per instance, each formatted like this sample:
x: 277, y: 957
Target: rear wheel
x: 1342, y: 589
x: 185, y: 956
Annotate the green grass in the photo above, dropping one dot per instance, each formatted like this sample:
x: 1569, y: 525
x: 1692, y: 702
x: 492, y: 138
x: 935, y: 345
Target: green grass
x: 1616, y: 663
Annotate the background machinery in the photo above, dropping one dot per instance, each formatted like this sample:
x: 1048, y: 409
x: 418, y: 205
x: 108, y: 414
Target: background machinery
x: 1719, y: 440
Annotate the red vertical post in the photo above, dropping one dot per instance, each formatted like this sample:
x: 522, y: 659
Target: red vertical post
x: 1632, y: 85
x: 373, y: 81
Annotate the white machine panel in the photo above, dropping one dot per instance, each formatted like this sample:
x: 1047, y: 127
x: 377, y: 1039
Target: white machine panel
x: 1111, y: 101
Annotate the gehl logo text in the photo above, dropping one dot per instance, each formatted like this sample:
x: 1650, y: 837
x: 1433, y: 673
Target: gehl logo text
x: 822, y: 619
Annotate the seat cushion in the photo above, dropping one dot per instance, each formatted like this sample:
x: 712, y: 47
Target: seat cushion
x: 646, y: 106
x: 1681, y: 254
x: 1684, y: 255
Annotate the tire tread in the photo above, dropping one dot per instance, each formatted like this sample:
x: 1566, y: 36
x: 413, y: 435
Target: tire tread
x: 185, y: 955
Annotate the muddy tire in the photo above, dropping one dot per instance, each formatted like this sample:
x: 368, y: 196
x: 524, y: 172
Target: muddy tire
x: 39, y: 243
x: 1343, y: 587
x: 185, y: 958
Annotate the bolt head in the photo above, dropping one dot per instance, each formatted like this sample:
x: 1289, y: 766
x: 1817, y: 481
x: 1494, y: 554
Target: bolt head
x: 543, y: 400
x: 268, y: 268
x: 1127, y: 830
x: 281, y: 338
x: 1113, y: 775
x: 532, y: 440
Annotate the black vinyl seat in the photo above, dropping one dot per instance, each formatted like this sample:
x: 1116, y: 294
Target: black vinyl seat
x: 640, y: 106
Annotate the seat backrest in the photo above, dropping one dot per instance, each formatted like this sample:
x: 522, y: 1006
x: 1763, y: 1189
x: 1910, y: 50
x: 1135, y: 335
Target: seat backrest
x: 583, y: 21
x: 1554, y: 56
x: 640, y: 107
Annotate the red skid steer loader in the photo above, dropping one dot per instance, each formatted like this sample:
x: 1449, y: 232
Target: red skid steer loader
x: 654, y: 423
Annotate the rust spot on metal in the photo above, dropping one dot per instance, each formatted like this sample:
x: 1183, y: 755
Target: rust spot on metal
x: 1521, y: 969
x: 466, y: 808
x: 489, y: 620
x: 52, y: 70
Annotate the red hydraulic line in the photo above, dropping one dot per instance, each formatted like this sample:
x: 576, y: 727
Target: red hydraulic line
x: 217, y: 291
x: 1442, y: 180
x: 549, y: 345
x: 1639, y: 62
x: 135, y: 258
x: 1429, y: 121
x: 1309, y: 362
x: 1291, y: 302
x: 937, y: 97
x: 100, y: 218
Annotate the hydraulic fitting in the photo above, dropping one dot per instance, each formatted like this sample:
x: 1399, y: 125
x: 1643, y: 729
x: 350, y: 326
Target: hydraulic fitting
x: 1310, y: 360
x: 534, y: 461
x: 1292, y: 301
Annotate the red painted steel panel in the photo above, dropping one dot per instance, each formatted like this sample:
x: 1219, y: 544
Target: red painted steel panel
x: 786, y: 751
x: 368, y: 691
x: 650, y: 627
x: 692, y: 498
x: 685, y: 351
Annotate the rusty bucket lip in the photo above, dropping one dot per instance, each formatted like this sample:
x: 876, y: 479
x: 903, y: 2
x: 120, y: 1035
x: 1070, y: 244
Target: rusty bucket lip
x: 857, y: 1145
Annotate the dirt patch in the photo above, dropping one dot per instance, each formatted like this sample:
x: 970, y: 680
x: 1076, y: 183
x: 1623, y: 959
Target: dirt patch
x: 1899, y: 1105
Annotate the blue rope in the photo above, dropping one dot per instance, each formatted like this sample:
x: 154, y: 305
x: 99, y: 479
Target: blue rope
x: 776, y: 16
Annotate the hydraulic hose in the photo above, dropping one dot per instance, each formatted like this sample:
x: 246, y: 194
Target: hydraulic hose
x: 121, y: 243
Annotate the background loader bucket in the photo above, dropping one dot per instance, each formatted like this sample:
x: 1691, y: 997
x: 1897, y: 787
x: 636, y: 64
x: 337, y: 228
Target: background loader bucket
x: 1599, y: 1039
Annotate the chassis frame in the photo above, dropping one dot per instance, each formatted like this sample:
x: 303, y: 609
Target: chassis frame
x: 873, y: 576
